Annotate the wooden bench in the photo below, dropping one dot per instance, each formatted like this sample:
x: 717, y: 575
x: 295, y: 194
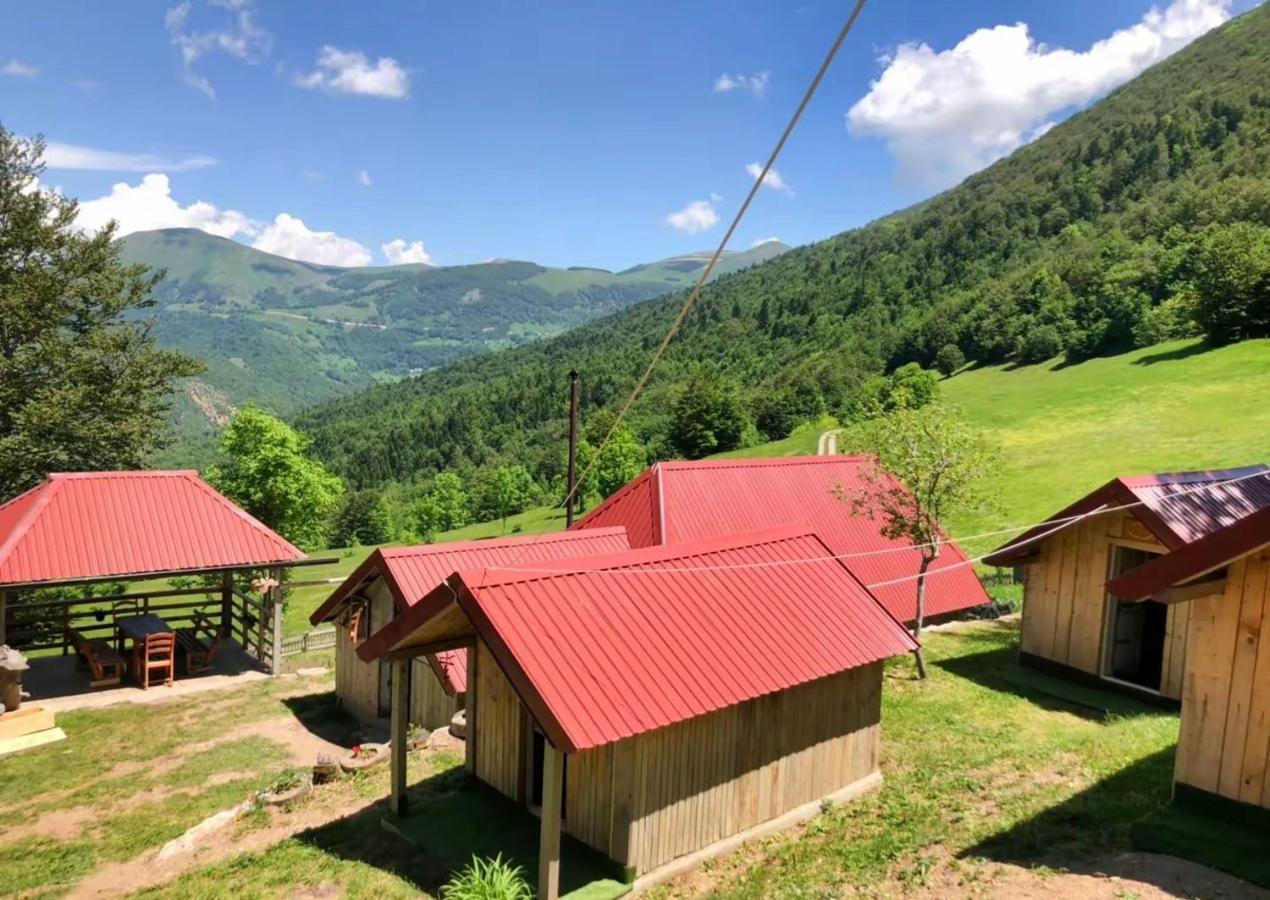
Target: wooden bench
x: 199, y: 642
x: 104, y: 662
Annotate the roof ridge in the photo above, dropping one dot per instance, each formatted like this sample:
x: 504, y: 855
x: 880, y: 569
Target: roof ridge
x: 46, y: 492
x: 124, y: 473
x: 748, y: 461
x: 546, y: 537
x: 538, y: 570
x: 1190, y: 475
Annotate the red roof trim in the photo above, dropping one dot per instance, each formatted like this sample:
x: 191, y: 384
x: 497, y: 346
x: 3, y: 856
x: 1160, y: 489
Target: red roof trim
x: 1187, y: 563
x: 333, y: 605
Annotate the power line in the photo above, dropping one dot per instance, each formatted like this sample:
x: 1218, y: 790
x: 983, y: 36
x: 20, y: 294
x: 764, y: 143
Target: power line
x: 1059, y: 525
x: 718, y: 253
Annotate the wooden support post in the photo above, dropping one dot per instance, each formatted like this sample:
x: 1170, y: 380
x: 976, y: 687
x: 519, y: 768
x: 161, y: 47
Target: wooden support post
x: 4, y: 612
x: 549, y: 838
x: 227, y: 602
x: 399, y: 713
x: 469, y: 709
x: 275, y: 611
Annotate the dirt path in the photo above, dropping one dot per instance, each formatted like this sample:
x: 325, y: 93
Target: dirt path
x: 828, y: 443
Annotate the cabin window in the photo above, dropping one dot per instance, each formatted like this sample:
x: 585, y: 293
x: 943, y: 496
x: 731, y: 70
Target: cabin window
x: 1136, y: 632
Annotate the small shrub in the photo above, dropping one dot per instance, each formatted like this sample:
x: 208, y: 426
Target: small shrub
x: 949, y: 359
x: 488, y: 879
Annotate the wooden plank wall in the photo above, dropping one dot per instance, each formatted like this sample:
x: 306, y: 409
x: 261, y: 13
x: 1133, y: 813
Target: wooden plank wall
x: 1225, y: 735
x: 1064, y: 601
x: 357, y: 682
x: 684, y: 787
x: 430, y: 705
x: 498, y: 721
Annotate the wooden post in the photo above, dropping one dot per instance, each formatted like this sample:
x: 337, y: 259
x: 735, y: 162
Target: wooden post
x: 399, y: 714
x: 227, y: 602
x: 4, y: 611
x: 549, y: 838
x: 571, y: 482
x: 275, y: 611
x: 469, y: 709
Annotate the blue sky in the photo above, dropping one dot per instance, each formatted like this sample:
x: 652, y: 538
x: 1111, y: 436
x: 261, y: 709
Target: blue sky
x: 566, y: 133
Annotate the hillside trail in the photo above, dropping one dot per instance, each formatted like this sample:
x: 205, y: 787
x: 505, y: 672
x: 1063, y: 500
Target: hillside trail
x: 828, y: 443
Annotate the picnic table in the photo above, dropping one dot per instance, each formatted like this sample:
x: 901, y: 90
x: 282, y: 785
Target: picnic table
x: 135, y: 628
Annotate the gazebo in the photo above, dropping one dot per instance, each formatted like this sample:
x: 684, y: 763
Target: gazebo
x: 90, y: 528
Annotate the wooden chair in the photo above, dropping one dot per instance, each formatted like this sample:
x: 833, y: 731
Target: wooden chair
x: 104, y: 662
x: 199, y: 642
x: 123, y: 609
x: 157, y: 653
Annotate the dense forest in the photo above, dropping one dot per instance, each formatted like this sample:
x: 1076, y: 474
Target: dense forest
x: 1143, y: 218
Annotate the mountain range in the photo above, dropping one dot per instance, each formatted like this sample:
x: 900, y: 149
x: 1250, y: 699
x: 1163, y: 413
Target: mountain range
x: 286, y: 334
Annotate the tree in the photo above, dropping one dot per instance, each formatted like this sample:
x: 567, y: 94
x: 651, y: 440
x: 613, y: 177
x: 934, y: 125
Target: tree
x: 928, y: 465
x: 266, y: 470
x: 707, y: 415
x: 450, y: 499
x: 1232, y: 281
x: 365, y: 519
x: 510, y: 489
x: 949, y: 359
x: 82, y: 384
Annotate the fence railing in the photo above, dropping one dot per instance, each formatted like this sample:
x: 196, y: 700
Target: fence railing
x: 318, y: 639
x: 43, y: 625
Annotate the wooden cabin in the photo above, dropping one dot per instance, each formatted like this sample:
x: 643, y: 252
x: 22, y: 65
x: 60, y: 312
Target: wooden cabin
x: 663, y: 705
x: 1071, y: 625
x: 672, y: 502
x: 391, y: 581
x: 1223, y: 581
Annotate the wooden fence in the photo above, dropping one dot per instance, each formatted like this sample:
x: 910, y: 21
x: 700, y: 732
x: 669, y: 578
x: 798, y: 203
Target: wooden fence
x: 318, y: 639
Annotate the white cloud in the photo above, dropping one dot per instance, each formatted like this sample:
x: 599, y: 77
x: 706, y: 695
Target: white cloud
x: 945, y: 114
x: 756, y: 84
x: 240, y: 38
x: 87, y: 85
x: 288, y: 236
x: 19, y: 69
x: 350, y: 72
x: 767, y: 240
x: 697, y: 216
x: 774, y: 180
x: 398, y: 252
x: 72, y: 156
x: 363, y: 178
x: 149, y: 205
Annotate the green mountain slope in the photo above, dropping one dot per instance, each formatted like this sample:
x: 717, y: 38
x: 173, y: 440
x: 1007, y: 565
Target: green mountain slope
x: 289, y: 334
x: 1110, y: 231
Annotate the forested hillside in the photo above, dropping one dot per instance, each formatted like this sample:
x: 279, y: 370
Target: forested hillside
x: 1143, y: 218
x: 287, y: 334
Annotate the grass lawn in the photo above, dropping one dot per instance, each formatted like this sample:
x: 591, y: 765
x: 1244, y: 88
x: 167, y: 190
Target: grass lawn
x: 984, y: 768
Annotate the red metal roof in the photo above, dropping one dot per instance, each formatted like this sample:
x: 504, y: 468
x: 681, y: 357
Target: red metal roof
x: 411, y: 573
x: 678, y: 501
x: 604, y: 648
x: 1177, y: 507
x: 1213, y: 551
x: 88, y: 525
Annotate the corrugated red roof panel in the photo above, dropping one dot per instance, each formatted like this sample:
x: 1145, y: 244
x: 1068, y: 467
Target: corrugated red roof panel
x: 682, y: 501
x: 88, y: 525
x: 411, y: 573
x: 1177, y: 507
x: 1206, y: 554
x: 604, y: 648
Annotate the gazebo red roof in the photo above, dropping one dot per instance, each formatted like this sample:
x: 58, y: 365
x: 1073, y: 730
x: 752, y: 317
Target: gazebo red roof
x: 411, y: 573
x: 607, y: 647
x: 84, y: 526
x: 678, y: 501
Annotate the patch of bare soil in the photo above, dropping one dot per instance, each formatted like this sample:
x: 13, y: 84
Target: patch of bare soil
x: 1129, y: 876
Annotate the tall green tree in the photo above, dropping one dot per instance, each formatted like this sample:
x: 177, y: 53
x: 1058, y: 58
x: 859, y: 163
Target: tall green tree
x: 1232, y: 280
x: 82, y: 384
x: 267, y: 471
x: 707, y: 415
x: 929, y: 465
x: 509, y: 490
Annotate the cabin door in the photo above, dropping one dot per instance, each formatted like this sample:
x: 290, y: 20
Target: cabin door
x: 1135, y: 631
x: 537, y: 755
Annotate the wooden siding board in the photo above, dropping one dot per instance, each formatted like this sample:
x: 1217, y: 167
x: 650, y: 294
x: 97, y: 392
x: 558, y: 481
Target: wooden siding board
x: 1252, y: 782
x: 1089, y: 601
x: 1243, y: 670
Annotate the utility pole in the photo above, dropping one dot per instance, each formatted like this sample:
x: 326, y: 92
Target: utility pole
x: 573, y: 448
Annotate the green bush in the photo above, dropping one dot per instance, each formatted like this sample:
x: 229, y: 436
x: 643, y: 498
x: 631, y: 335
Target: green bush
x: 488, y: 879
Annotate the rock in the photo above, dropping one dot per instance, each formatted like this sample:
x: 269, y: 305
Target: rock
x: 444, y: 739
x: 458, y: 724
x: 192, y: 838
